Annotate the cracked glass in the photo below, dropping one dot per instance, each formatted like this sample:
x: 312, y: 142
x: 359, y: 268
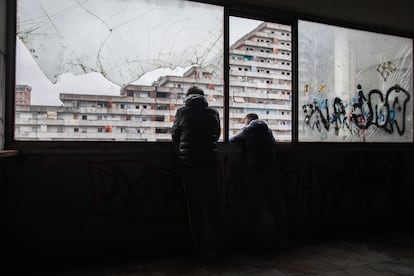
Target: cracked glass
x: 122, y: 40
x: 113, y: 69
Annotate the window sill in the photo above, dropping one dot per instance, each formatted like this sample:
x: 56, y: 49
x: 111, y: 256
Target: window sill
x: 8, y: 153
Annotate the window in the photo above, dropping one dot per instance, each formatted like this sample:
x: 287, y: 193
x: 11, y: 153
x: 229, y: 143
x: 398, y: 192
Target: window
x: 127, y: 58
x: 354, y: 86
x: 119, y: 70
x: 254, y: 96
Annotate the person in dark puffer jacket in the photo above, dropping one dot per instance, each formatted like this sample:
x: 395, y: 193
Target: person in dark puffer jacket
x: 195, y: 134
x: 196, y: 131
x: 263, y: 184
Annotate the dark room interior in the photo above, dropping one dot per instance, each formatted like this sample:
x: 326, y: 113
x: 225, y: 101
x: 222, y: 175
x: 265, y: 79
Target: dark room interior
x: 100, y: 207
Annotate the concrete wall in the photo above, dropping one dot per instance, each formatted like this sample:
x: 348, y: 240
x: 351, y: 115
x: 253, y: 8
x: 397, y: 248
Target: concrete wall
x: 94, y: 205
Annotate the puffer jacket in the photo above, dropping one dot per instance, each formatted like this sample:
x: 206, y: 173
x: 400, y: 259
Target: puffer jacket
x: 195, y: 132
x: 258, y: 144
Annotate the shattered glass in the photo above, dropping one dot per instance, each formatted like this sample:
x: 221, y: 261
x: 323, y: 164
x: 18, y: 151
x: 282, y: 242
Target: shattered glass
x: 120, y: 39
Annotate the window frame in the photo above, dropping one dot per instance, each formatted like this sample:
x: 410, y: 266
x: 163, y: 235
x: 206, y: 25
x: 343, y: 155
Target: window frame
x: 230, y: 8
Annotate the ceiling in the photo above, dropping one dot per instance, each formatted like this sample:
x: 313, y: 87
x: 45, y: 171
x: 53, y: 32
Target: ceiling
x: 396, y: 16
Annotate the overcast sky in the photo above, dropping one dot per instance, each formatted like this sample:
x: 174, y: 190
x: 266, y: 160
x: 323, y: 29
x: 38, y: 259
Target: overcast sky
x: 44, y: 92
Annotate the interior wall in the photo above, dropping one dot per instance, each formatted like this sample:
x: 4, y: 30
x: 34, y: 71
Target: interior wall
x: 94, y: 205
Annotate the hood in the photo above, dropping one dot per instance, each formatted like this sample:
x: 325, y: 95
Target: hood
x: 257, y: 126
x: 195, y: 100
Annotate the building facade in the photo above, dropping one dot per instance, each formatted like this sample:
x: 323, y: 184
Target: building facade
x: 23, y: 94
x: 260, y: 82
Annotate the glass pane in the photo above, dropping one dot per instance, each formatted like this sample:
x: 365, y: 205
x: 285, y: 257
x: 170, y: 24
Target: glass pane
x: 112, y: 70
x: 261, y: 75
x: 354, y: 86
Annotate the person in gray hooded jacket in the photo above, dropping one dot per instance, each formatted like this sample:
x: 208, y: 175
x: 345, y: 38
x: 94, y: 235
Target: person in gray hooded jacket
x: 258, y: 142
x: 263, y: 191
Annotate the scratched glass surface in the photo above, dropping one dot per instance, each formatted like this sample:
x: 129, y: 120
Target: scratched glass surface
x: 122, y: 40
x: 354, y: 86
x: 98, y: 47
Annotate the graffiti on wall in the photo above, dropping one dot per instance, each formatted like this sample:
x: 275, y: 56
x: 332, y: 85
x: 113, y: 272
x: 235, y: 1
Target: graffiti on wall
x: 373, y: 110
x: 385, y: 69
x: 134, y: 190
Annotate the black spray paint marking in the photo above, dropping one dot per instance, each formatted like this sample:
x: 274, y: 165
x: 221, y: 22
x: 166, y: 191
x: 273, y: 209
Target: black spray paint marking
x: 387, y: 113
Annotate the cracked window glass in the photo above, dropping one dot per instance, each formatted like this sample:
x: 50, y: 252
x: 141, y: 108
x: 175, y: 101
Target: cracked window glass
x: 112, y: 69
x: 354, y: 86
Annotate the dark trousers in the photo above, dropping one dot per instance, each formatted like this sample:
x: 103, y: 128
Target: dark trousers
x: 204, y: 205
x: 263, y: 193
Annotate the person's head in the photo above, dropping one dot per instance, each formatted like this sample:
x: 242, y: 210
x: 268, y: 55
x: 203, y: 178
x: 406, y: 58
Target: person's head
x: 250, y: 117
x: 195, y: 90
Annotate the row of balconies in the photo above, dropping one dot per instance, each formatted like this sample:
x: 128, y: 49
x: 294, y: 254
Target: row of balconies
x: 267, y: 45
x: 150, y: 137
x: 168, y: 117
x: 126, y: 123
x: 260, y: 75
x: 258, y: 95
x: 280, y: 132
x: 279, y: 37
x: 259, y: 64
x: 238, y: 126
x: 262, y: 106
x: 263, y: 54
x: 131, y: 128
x: 171, y: 112
x: 154, y: 112
x: 282, y: 117
x: 277, y: 26
x: 104, y: 136
x: 91, y: 123
x: 133, y: 100
x: 259, y: 85
x: 179, y: 79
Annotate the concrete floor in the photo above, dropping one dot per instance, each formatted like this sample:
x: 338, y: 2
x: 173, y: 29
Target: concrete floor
x: 389, y: 253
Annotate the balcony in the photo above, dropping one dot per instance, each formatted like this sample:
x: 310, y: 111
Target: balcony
x: 260, y: 75
x: 261, y: 85
x: 267, y: 65
x: 261, y: 54
x: 38, y: 122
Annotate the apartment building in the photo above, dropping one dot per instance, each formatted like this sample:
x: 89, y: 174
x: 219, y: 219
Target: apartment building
x: 23, y: 94
x: 261, y: 78
x: 260, y: 82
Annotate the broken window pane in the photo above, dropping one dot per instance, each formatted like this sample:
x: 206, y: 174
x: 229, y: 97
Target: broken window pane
x: 354, y: 86
x: 110, y: 60
x: 122, y: 40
